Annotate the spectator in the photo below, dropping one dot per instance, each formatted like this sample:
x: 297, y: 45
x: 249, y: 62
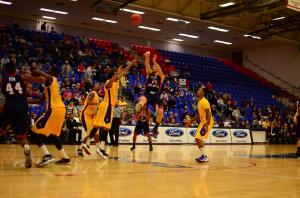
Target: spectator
x: 43, y: 27
x: 52, y: 30
x: 220, y: 104
x: 15, y: 25
x: 237, y: 114
x: 89, y: 72
x: 72, y: 110
x: 67, y: 94
x: 4, y: 60
x: 73, y: 130
x: 66, y: 70
x: 271, y: 132
x: 297, y: 123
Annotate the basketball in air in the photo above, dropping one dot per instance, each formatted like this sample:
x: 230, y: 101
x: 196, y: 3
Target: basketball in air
x: 136, y: 19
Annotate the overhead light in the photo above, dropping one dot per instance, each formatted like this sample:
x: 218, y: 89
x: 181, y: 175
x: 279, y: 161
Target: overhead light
x: 188, y: 35
x: 279, y: 18
x: 132, y: 11
x: 6, y: 2
x: 73, y: 0
x: 48, y: 17
x: 177, y: 20
x: 149, y: 28
x: 256, y: 37
x: 223, y: 42
x: 218, y: 29
x: 227, y: 4
x: 104, y: 20
x: 53, y: 11
x: 252, y: 36
x: 175, y: 39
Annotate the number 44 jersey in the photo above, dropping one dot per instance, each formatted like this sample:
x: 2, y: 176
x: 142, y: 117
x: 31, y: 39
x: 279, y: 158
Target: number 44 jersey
x: 14, y: 89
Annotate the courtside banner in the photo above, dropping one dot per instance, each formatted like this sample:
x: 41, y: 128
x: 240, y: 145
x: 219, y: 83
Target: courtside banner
x: 176, y: 135
x: 294, y: 4
x: 144, y: 139
x: 241, y: 136
x: 126, y: 134
x: 259, y: 136
x: 191, y: 136
x: 220, y: 136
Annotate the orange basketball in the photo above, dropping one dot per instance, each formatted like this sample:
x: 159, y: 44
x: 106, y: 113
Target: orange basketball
x: 136, y: 19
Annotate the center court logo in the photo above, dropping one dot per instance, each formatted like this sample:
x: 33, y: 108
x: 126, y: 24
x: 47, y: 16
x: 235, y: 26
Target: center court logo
x: 219, y: 133
x: 124, y: 132
x: 174, y: 132
x: 240, y: 134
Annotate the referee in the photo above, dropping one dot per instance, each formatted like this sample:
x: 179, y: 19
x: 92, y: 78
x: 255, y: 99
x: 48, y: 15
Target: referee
x: 116, y: 122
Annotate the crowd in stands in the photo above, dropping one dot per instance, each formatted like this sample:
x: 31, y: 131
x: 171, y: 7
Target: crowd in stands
x: 83, y: 62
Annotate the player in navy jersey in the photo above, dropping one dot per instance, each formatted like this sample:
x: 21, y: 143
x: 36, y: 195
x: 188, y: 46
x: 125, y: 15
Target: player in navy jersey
x: 15, y: 110
x: 155, y: 78
x: 142, y: 127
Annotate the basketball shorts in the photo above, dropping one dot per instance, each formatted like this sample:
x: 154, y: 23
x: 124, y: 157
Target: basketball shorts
x: 141, y: 128
x: 87, y: 121
x: 51, y: 122
x: 16, y: 115
x: 201, y: 134
x: 154, y: 99
x: 104, y: 115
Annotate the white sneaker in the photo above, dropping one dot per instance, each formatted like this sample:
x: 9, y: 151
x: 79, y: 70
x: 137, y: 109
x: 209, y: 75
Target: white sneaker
x: 102, y: 153
x: 85, y: 147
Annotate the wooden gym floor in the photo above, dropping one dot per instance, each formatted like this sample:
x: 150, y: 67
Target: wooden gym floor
x: 169, y: 171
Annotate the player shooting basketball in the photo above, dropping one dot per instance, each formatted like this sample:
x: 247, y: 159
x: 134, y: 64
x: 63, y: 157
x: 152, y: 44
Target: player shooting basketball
x: 155, y: 78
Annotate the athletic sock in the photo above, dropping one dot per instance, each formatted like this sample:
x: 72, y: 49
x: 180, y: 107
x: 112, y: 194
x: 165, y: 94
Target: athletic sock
x: 98, y: 145
x: 63, y: 153
x: 102, y: 145
x: 44, y: 150
x: 202, y: 151
x: 88, y: 142
x: 26, y: 148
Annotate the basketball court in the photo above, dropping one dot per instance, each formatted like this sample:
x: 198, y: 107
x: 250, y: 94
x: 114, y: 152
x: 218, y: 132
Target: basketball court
x: 249, y: 49
x: 168, y: 171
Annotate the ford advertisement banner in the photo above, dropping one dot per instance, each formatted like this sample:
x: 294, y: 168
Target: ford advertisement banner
x: 240, y: 136
x: 180, y: 135
x: 218, y: 136
x: 126, y: 134
x: 174, y: 135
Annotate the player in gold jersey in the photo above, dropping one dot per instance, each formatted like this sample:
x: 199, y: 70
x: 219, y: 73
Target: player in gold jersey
x: 206, y: 123
x: 51, y: 122
x: 87, y: 118
x: 104, y: 115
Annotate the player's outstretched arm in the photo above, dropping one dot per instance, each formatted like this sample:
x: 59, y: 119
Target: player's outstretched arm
x: 147, y: 63
x: 33, y: 79
x: 158, y: 68
x: 127, y: 68
x: 37, y: 73
x: 120, y: 72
